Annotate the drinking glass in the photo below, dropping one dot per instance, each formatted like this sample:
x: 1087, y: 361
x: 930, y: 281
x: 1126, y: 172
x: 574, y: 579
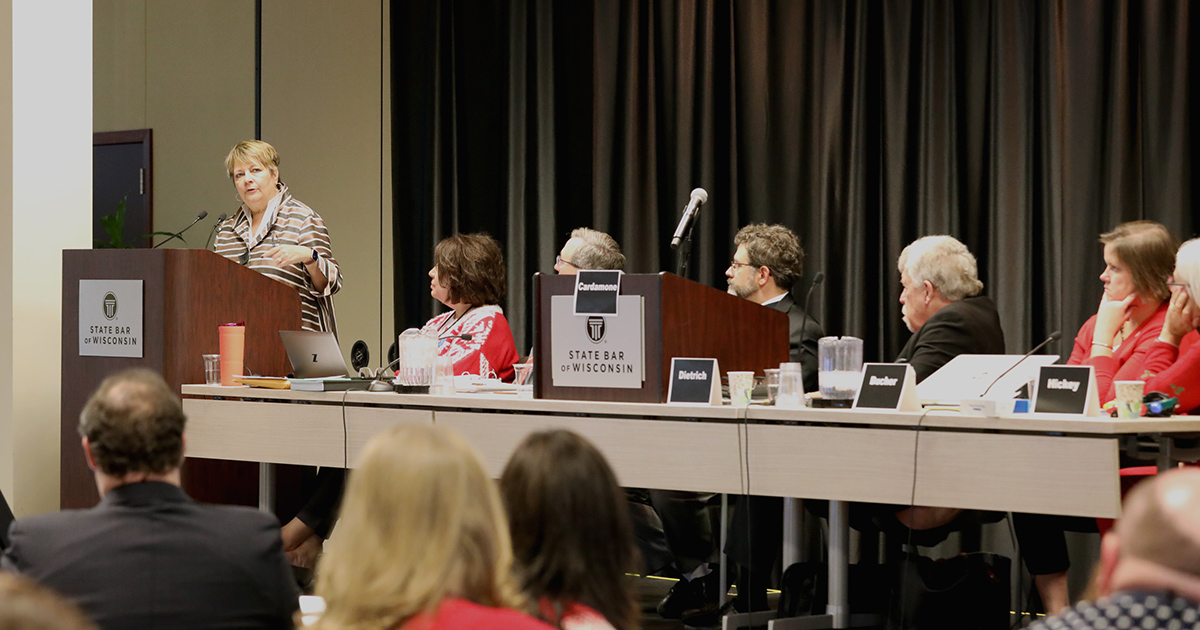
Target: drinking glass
x: 791, y: 386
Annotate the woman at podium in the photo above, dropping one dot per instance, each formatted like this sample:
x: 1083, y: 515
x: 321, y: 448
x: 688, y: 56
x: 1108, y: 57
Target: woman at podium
x: 468, y: 277
x: 276, y: 235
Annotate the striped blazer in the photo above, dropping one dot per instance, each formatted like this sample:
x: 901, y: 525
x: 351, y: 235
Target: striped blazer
x: 292, y: 223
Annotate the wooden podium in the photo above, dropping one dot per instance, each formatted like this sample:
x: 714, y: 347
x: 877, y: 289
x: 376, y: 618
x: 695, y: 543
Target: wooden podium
x: 682, y: 318
x: 186, y: 294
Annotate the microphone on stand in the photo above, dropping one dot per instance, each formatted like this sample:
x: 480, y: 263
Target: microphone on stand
x: 463, y: 336
x: 1053, y: 337
x: 699, y: 196
x: 817, y: 280
x: 179, y: 234
x: 220, y: 219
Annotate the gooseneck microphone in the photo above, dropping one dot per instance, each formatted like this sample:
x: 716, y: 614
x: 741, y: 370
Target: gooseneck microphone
x: 1054, y: 336
x: 699, y: 196
x: 179, y: 234
x: 817, y: 280
x: 464, y: 337
x: 220, y: 219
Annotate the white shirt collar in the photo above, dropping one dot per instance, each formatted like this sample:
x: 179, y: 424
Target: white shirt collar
x: 775, y: 299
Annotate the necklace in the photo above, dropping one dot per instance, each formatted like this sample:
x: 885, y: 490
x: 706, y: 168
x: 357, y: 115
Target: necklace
x: 449, y: 323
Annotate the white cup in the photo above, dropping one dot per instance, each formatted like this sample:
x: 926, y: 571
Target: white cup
x: 740, y: 386
x: 1129, y: 398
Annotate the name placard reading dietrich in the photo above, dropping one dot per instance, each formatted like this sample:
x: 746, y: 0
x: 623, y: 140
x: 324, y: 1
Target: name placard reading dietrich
x: 694, y: 381
x: 597, y: 351
x: 1067, y: 389
x: 110, y: 318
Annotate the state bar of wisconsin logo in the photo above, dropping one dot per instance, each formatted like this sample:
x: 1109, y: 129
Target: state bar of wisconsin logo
x: 595, y: 328
x: 110, y: 305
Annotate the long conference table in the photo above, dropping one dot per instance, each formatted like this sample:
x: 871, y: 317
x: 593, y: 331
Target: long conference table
x: 1037, y: 463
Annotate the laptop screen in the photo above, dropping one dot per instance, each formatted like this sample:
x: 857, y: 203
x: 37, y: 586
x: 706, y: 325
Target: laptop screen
x: 313, y: 354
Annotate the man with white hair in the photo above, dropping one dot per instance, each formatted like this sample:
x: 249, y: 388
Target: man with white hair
x: 1149, y: 574
x: 589, y: 249
x: 942, y: 305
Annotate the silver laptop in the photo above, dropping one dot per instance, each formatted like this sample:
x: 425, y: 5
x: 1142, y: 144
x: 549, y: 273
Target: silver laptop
x: 313, y: 354
x: 969, y: 375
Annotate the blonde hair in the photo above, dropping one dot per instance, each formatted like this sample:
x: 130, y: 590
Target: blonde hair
x: 421, y: 521
x: 945, y: 262
x: 252, y: 152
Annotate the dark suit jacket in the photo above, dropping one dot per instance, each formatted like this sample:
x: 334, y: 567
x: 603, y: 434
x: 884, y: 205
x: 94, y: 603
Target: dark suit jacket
x: 968, y: 326
x: 148, y: 556
x: 803, y: 332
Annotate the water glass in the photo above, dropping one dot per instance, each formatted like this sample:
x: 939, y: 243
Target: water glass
x: 772, y: 383
x: 840, y: 367
x: 212, y: 369
x: 524, y: 379
x: 443, y: 377
x: 791, y: 386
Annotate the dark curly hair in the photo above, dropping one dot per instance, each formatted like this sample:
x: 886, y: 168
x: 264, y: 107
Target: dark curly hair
x: 471, y: 267
x: 134, y: 423
x: 776, y: 248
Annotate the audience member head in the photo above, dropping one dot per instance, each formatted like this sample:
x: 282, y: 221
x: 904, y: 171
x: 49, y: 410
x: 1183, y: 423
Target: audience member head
x: 1138, y: 258
x: 421, y: 521
x: 767, y: 263
x: 132, y: 427
x: 589, y: 249
x: 29, y: 606
x: 1156, y: 542
x: 468, y: 269
x: 571, y: 530
x: 935, y: 271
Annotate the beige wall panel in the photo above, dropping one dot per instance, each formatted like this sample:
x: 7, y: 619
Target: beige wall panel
x: 119, y: 65
x: 322, y: 88
x: 7, y: 445
x: 51, y: 123
x: 199, y: 102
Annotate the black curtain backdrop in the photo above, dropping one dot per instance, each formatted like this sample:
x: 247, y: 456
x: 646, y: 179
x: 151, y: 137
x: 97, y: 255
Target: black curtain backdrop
x: 1023, y: 128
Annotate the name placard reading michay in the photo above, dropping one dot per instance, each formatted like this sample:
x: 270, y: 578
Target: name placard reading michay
x: 597, y: 351
x: 110, y: 318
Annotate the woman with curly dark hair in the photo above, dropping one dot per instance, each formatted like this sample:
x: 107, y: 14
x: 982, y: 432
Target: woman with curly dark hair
x: 468, y: 277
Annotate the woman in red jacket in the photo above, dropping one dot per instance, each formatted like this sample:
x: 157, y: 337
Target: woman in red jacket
x: 1138, y: 259
x: 468, y: 277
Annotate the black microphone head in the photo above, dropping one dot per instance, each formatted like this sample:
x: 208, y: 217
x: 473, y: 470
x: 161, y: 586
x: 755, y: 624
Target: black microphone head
x: 1055, y: 336
x: 819, y: 278
x: 221, y: 217
x: 466, y: 336
x: 701, y: 194
x: 203, y: 213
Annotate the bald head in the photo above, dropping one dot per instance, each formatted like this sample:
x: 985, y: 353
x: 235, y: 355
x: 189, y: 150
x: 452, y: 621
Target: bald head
x: 1156, y: 543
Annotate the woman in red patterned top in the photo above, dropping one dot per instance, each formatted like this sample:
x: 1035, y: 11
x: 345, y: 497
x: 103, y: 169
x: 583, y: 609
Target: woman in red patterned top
x: 423, y: 543
x: 1167, y: 368
x: 1138, y: 258
x: 468, y: 277
x: 571, y: 532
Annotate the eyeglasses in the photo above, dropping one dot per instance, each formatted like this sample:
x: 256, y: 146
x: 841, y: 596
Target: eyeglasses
x: 1172, y: 283
x: 735, y: 264
x: 559, y: 260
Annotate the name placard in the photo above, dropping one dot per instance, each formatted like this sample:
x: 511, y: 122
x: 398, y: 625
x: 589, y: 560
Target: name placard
x: 694, y: 381
x: 110, y: 318
x: 888, y: 386
x: 596, y: 292
x: 1069, y: 389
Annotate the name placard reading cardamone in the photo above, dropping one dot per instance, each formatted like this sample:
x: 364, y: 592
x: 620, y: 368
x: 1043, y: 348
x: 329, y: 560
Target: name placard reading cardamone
x: 110, y: 318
